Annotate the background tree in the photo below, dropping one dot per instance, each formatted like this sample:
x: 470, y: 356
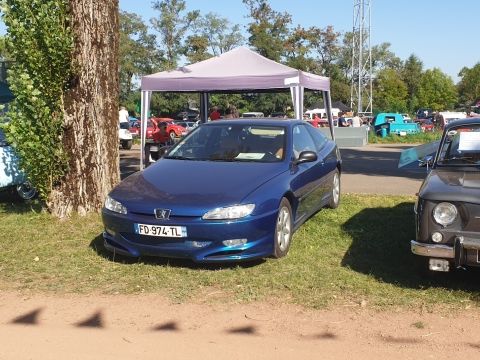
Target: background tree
x: 390, y: 92
x: 172, y: 24
x: 469, y: 85
x: 221, y: 35
x: 268, y: 30
x: 64, y: 119
x: 437, y: 91
x: 138, y: 54
x: 411, y: 73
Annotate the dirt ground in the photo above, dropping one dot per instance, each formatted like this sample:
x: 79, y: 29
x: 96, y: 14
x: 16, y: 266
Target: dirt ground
x: 150, y: 327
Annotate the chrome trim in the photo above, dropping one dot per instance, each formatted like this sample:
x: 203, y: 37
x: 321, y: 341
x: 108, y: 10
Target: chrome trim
x: 432, y: 250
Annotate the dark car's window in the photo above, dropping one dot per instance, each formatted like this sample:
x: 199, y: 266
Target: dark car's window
x: 318, y: 138
x: 232, y: 142
x: 460, y: 146
x: 302, y: 141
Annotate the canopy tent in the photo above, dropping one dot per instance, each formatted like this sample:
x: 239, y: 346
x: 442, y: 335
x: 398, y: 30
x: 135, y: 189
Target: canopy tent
x: 240, y: 69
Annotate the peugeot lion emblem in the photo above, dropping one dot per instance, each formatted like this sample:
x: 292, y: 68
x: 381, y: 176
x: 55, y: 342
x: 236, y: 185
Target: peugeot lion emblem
x: 163, y: 214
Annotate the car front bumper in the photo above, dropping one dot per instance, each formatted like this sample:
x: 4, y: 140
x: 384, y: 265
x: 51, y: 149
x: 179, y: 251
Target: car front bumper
x: 465, y: 251
x: 203, y: 244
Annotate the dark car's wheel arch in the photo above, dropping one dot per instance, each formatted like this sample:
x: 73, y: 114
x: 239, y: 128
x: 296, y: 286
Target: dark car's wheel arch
x: 293, y: 203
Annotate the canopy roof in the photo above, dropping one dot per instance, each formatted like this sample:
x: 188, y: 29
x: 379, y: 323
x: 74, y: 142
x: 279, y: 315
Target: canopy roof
x: 238, y: 69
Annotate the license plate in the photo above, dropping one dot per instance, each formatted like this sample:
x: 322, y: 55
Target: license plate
x: 161, y: 230
x: 403, y: 133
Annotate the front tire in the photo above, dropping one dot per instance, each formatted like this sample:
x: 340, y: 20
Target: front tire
x: 172, y: 136
x: 335, y: 193
x: 283, y: 229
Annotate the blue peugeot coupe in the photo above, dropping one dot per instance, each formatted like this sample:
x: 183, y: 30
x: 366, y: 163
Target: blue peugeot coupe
x: 231, y: 190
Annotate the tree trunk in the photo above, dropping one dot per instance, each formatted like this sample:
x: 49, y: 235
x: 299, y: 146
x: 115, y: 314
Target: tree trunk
x: 91, y: 110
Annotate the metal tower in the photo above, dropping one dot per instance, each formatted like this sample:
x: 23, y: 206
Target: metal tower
x: 361, y: 95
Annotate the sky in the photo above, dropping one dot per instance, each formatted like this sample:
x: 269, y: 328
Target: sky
x: 440, y: 32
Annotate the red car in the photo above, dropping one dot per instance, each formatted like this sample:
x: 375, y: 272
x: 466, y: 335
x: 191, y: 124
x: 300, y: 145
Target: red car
x: 173, y: 130
x: 425, y: 124
x: 155, y: 135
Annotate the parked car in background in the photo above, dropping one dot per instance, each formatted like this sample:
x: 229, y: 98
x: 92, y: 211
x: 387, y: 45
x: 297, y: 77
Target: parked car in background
x: 426, y: 125
x: 11, y: 176
x: 230, y: 190
x: 188, y: 125
x: 174, y: 130
x: 189, y: 114
x: 278, y: 114
x: 253, y: 114
x: 445, y: 117
x: 447, y: 210
x: 126, y: 139
x: 134, y: 126
x: 393, y: 123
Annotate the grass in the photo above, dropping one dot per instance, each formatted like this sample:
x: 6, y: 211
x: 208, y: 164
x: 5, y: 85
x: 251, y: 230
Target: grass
x: 420, y: 138
x: 359, y: 252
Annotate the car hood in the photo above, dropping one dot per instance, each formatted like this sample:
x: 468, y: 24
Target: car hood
x: 451, y: 185
x: 191, y: 188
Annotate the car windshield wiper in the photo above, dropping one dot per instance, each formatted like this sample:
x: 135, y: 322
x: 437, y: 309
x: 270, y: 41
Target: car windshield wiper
x: 178, y: 157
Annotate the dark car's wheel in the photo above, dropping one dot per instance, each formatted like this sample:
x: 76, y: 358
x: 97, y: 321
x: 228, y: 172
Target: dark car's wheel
x: 127, y: 144
x: 26, y: 191
x: 283, y: 229
x: 335, y: 193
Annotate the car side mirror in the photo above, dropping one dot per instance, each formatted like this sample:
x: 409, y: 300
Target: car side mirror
x: 306, y: 156
x: 427, y: 161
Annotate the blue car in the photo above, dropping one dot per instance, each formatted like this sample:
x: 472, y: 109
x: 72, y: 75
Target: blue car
x: 231, y: 190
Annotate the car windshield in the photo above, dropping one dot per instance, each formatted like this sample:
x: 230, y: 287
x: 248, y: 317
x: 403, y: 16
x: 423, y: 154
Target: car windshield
x: 232, y: 142
x: 460, y: 146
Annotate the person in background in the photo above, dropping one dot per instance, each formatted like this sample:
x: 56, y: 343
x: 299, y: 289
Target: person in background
x: 356, y: 121
x: 123, y: 114
x: 231, y: 112
x: 215, y: 114
x: 316, y: 120
x: 342, y: 122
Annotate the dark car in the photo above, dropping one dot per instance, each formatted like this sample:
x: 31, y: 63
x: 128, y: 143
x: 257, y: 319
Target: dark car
x: 229, y: 191
x: 447, y: 210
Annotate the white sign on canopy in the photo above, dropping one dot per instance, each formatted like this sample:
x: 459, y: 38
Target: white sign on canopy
x: 239, y: 69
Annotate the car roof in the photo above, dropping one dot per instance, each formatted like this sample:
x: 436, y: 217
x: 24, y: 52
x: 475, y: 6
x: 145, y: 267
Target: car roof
x: 257, y: 121
x: 460, y: 122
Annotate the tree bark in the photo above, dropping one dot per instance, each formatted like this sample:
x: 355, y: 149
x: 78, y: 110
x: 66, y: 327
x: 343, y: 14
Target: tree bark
x: 91, y: 110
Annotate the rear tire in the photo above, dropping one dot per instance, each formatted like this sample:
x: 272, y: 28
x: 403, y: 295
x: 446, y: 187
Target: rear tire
x: 127, y: 144
x: 172, y: 136
x: 283, y: 229
x: 335, y: 193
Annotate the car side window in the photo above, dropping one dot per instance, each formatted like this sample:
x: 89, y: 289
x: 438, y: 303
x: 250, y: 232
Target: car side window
x: 318, y: 137
x: 302, y: 141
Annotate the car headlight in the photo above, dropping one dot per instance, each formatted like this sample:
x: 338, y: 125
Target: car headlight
x: 115, y: 206
x: 230, y: 212
x: 445, y: 213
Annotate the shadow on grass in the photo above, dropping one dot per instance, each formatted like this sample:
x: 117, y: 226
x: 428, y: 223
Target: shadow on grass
x: 11, y: 203
x: 381, y: 248
x: 97, y: 245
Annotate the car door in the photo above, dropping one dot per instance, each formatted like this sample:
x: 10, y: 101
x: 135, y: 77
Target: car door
x: 307, y: 178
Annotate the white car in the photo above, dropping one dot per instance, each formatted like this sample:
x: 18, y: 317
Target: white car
x: 125, y: 135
